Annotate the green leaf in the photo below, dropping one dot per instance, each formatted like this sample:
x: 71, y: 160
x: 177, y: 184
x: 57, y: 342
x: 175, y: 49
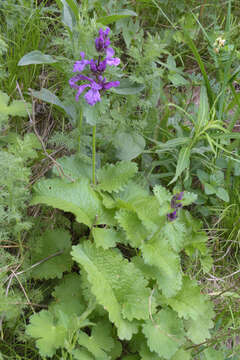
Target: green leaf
x: 212, y: 354
x: 50, y: 334
x: 92, y: 346
x: 74, y: 167
x: 146, y: 354
x: 106, y: 238
x: 82, y: 354
x: 166, y: 264
x: 121, y: 14
x: 123, y: 296
x: 222, y: 194
x: 175, y: 234
x: 135, y: 231
x: 68, y: 296
x: 127, y: 87
x: 183, y: 162
x: 188, y: 198
x: 16, y: 108
x: 114, y: 177
x: 36, y: 57
x: 102, y: 334
x: 177, y: 79
x: 51, y: 98
x: 128, y: 145
x: 164, y: 198
x: 190, y: 303
x: 68, y: 16
x: 164, y: 333
x: 74, y: 7
x: 78, y: 198
x: 203, y: 110
x: 51, y: 242
x: 181, y: 355
x: 209, y: 189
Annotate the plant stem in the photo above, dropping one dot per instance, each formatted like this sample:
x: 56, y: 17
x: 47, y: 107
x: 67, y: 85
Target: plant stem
x: 80, y: 129
x: 93, y: 154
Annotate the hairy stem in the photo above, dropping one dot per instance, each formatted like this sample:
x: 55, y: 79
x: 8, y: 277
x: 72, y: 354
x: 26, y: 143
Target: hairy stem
x: 80, y: 129
x: 93, y: 154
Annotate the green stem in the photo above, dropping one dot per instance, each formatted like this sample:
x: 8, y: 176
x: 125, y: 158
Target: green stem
x: 93, y: 154
x: 80, y: 129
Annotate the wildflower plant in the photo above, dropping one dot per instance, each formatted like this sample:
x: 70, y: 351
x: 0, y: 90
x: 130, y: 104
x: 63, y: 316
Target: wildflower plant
x: 94, y: 78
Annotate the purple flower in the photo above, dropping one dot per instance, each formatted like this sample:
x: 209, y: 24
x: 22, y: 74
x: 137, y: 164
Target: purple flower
x: 109, y: 58
x: 95, y: 81
x: 172, y: 216
x: 175, y: 205
x: 102, y: 42
x: 93, y: 95
x: 80, y: 65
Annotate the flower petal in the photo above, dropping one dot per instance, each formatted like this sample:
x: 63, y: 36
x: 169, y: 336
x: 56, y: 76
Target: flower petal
x: 80, y: 65
x: 111, y: 84
x: 110, y: 52
x: 113, y: 61
x: 92, y: 96
x: 81, y: 89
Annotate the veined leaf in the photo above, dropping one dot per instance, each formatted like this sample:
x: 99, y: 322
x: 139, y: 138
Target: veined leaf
x: 105, y: 20
x: 51, y: 98
x: 164, y: 333
x: 166, y: 265
x: 203, y: 110
x: 49, y: 243
x: 183, y: 162
x: 128, y: 145
x: 92, y: 346
x: 78, y: 198
x: 36, y: 57
x: 114, y: 177
x: 49, y: 334
x: 127, y: 87
x: 106, y: 238
x: 123, y: 296
x: 190, y: 303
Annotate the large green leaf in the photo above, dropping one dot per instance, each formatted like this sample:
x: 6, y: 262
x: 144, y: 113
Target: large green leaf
x: 189, y: 303
x: 77, y: 197
x: 127, y: 87
x: 166, y: 264
x: 49, y: 97
x: 114, y: 177
x: 49, y: 243
x: 128, y: 145
x: 36, y: 57
x: 117, y: 284
x: 203, y: 110
x: 183, y: 162
x: 49, y: 334
x: 121, y: 14
x: 164, y: 333
x: 68, y: 296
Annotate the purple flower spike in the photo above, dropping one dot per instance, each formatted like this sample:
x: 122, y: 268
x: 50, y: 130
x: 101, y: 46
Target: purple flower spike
x: 102, y: 41
x: 179, y: 196
x: 172, y: 216
x: 95, y: 81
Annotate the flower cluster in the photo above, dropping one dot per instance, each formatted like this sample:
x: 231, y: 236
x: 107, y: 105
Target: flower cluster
x: 95, y: 79
x: 218, y: 44
x: 175, y: 204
